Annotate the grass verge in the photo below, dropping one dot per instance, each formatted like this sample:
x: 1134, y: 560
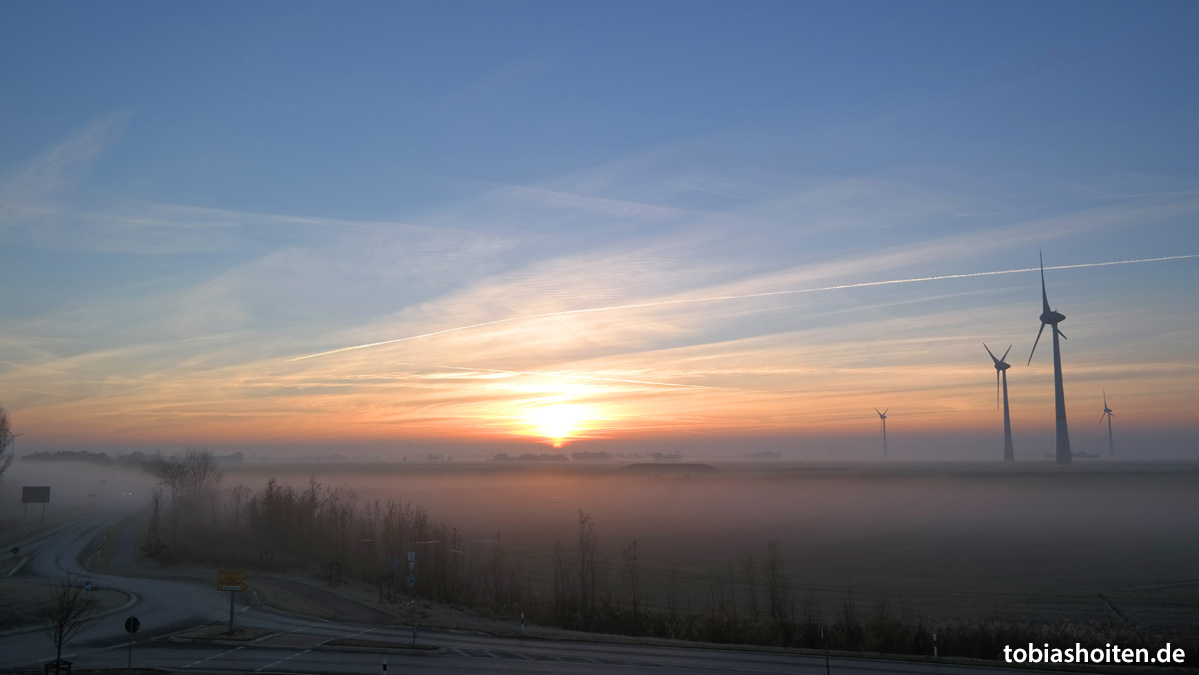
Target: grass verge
x: 221, y: 633
x: 286, y: 601
x: 378, y: 644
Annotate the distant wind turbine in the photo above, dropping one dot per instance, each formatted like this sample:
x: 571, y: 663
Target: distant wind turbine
x: 1107, y: 412
x: 882, y: 416
x: 1001, y: 367
x: 1053, y: 318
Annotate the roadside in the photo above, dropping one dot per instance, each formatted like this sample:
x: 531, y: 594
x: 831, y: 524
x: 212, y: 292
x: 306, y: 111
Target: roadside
x: 25, y: 602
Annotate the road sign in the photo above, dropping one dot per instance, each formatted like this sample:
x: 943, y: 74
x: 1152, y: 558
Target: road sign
x: 231, y: 580
x: 411, y: 581
x: 132, y: 625
x: 87, y: 585
x: 395, y: 562
x: 411, y: 556
x: 411, y: 565
x: 35, y: 494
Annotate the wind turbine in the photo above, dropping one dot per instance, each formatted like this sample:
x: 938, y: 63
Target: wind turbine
x: 883, y: 417
x: 1107, y: 412
x: 1001, y: 367
x: 1053, y: 318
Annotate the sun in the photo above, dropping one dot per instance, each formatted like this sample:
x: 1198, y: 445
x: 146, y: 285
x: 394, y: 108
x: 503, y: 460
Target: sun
x: 557, y: 423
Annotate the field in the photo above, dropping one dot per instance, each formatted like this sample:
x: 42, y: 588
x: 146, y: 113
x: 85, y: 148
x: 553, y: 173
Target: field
x: 1097, y: 542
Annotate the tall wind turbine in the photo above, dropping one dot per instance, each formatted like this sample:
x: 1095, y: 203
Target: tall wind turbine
x: 882, y: 416
x: 1107, y: 412
x: 1001, y: 367
x: 1053, y: 318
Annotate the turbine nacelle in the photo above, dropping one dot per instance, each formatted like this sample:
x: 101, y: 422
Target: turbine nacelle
x: 1052, y: 317
x: 1001, y: 362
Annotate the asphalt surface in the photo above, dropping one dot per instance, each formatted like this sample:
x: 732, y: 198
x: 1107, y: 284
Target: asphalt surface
x: 168, y: 606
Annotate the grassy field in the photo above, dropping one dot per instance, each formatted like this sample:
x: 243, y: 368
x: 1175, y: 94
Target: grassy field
x: 1101, y: 542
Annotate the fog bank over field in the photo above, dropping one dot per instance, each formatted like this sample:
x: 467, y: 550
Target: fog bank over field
x: 73, y: 485
x: 934, y: 538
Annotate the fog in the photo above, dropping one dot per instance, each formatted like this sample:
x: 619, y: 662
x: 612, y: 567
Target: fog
x: 1020, y: 541
x: 73, y: 486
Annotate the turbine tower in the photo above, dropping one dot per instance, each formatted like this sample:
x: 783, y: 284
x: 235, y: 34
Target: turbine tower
x: 1107, y: 412
x: 1001, y: 367
x: 1053, y: 318
x: 882, y: 416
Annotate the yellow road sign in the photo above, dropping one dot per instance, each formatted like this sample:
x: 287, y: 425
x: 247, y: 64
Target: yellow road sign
x: 231, y: 580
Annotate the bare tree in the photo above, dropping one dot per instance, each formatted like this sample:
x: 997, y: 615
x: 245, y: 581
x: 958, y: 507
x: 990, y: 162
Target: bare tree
x: 154, y: 498
x: 587, y: 547
x: 778, y: 587
x: 203, y: 473
x: 629, y: 553
x: 71, y: 610
x: 174, y: 474
x: 239, y: 496
x: 6, y: 443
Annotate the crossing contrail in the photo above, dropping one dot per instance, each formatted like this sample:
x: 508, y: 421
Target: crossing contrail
x: 744, y: 296
x: 573, y: 377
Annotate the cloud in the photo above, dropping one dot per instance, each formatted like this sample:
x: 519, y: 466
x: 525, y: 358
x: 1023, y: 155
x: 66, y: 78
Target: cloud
x: 38, y: 185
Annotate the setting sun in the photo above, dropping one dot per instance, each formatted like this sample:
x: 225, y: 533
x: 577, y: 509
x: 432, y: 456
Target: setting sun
x: 558, y: 423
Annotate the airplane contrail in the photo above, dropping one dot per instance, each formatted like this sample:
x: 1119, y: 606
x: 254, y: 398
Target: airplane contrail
x: 716, y: 298
x: 575, y: 377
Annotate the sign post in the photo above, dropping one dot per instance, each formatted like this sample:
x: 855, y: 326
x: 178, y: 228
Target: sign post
x: 131, y: 627
x: 395, y: 565
x: 34, y: 494
x: 232, y: 581
x: 411, y: 569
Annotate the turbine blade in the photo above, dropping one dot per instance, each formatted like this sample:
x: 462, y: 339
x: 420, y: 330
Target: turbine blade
x: 1101, y: 419
x: 1004, y: 357
x: 1105, y: 399
x: 1034, y: 343
x: 885, y: 411
x: 876, y: 410
x: 1044, y: 297
x: 989, y: 352
x: 1060, y: 333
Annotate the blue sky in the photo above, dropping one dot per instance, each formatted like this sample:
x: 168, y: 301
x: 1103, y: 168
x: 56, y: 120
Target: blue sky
x: 191, y: 196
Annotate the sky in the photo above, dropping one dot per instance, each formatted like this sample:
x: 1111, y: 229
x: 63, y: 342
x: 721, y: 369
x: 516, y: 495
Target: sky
x: 380, y: 228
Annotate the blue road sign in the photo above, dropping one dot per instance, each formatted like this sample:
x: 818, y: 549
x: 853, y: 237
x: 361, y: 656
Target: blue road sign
x: 395, y: 562
x: 411, y: 581
x: 87, y: 585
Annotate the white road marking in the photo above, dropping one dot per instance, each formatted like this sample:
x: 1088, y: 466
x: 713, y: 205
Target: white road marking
x: 214, y: 656
x: 286, y: 658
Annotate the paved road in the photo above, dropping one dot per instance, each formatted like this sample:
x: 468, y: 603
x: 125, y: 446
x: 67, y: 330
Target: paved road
x: 169, y: 606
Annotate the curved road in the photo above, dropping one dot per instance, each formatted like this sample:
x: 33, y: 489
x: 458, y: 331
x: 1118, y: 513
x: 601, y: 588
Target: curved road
x: 167, y: 606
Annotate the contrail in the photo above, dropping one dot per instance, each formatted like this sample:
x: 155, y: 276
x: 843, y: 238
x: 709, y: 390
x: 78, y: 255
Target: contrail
x: 715, y: 298
x: 575, y: 377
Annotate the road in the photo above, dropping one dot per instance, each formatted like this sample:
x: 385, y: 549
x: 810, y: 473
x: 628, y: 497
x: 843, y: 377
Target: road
x: 168, y: 606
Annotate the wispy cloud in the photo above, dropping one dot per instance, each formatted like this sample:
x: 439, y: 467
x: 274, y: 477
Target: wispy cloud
x: 624, y: 291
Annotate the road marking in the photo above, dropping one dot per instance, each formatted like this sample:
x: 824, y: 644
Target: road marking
x: 286, y: 658
x: 363, y: 632
x: 214, y: 656
x: 305, y: 627
x: 459, y: 652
